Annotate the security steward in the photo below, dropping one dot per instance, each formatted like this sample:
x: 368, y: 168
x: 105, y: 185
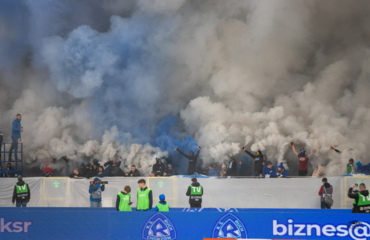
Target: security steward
x: 361, y: 203
x: 21, y: 193
x: 195, y: 193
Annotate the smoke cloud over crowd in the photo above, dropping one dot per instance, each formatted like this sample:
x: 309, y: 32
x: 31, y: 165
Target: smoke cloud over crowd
x: 135, y: 79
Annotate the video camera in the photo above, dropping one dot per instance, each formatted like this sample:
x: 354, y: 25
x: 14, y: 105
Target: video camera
x: 105, y: 182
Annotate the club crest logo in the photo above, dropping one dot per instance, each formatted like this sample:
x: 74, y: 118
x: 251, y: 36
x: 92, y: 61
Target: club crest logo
x: 229, y: 226
x: 159, y: 227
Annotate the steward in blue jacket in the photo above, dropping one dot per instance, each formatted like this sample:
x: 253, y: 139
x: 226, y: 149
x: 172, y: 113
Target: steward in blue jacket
x: 269, y: 171
x: 281, y: 171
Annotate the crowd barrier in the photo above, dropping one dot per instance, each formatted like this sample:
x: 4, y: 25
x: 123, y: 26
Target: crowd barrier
x: 218, y: 193
x: 184, y: 223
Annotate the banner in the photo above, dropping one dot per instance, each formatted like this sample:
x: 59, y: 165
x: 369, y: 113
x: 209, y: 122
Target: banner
x: 106, y: 223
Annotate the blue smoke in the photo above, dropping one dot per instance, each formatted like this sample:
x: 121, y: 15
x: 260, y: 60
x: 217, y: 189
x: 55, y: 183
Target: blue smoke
x: 167, y: 141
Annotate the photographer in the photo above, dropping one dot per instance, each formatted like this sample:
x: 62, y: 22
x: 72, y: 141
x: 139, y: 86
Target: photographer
x: 96, y: 188
x: 361, y: 203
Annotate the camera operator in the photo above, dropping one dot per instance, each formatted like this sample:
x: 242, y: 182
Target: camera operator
x: 96, y: 188
x: 361, y: 203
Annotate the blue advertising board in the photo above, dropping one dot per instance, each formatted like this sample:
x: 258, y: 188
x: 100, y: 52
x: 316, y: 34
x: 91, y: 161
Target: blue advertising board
x: 106, y: 223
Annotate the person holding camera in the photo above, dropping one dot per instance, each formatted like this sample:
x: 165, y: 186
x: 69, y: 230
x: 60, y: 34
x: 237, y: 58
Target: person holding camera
x: 361, y: 203
x: 96, y: 188
x: 123, y: 203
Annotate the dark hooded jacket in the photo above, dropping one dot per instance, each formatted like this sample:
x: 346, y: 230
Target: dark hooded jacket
x: 21, y: 197
x: 192, y: 161
x: 354, y: 195
x: 258, y: 161
x: 194, y: 199
x: 159, y: 168
x: 232, y: 169
x: 116, y: 169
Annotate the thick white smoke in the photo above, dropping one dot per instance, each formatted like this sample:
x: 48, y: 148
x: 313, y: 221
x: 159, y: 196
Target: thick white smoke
x: 98, y: 76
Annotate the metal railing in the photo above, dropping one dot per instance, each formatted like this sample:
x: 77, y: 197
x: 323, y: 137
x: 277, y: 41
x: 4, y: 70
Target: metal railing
x: 4, y: 156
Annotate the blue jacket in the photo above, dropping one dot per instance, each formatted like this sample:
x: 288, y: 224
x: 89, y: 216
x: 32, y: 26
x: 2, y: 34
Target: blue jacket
x: 364, y: 169
x: 93, y: 188
x: 283, y: 173
x: 271, y: 171
x: 16, y: 128
x: 106, y: 172
x: 212, y: 172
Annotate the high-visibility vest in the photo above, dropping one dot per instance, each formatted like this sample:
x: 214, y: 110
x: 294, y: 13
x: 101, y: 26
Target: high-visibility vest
x: 363, y: 203
x: 196, y: 190
x: 124, y: 202
x: 143, y: 199
x: 22, y: 189
x: 163, y: 208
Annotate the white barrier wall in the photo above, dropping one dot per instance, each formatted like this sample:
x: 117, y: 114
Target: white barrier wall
x: 218, y: 192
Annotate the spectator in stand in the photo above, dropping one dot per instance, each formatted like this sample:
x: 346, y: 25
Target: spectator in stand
x: 363, y: 169
x: 16, y: 134
x: 170, y: 171
x: 258, y: 162
x: 162, y: 206
x: 100, y: 170
x: 281, y: 171
x: 159, y: 167
x: 94, y: 169
x: 21, y: 193
x: 89, y: 171
x: 83, y: 170
x: 361, y: 203
x: 152, y: 174
x: 327, y: 190
x: 116, y: 169
x: 269, y: 171
x: 223, y: 170
x: 232, y: 170
x: 243, y: 166
x: 212, y: 170
x: 133, y: 173
x: 75, y: 174
x: 351, y: 167
x: 192, y: 160
x: 48, y: 172
x: 303, y: 160
x: 9, y: 168
x: 107, y: 170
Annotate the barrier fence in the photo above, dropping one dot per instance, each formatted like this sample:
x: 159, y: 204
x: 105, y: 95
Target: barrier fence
x: 218, y: 193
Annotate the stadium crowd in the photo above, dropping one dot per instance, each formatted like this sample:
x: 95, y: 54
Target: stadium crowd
x: 258, y: 166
